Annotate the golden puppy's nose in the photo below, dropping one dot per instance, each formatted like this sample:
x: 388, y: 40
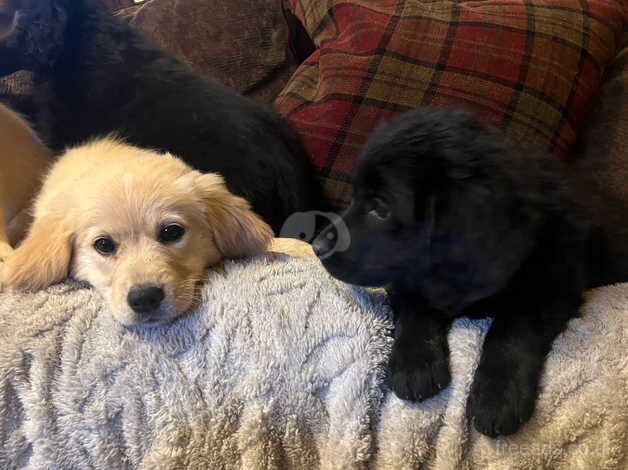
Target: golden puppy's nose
x: 145, y: 298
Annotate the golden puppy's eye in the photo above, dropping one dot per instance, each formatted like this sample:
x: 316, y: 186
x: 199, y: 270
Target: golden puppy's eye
x: 105, y: 246
x: 170, y: 233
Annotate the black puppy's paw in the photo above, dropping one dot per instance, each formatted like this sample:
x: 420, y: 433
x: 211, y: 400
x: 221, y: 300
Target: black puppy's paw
x: 499, y: 405
x: 416, y: 376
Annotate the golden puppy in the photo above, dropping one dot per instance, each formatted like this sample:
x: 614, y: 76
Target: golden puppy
x: 23, y: 160
x: 140, y: 227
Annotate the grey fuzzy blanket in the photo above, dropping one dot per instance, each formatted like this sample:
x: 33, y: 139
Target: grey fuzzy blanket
x: 283, y: 367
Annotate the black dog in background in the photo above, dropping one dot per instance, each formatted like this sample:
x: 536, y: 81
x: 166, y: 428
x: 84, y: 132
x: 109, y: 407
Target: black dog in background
x: 94, y: 75
x: 456, y: 221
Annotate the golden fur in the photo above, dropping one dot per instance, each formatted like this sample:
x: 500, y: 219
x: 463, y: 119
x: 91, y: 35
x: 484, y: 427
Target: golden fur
x: 109, y: 188
x: 23, y: 160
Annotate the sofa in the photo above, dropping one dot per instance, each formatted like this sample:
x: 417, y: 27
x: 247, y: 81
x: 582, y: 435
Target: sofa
x: 282, y: 366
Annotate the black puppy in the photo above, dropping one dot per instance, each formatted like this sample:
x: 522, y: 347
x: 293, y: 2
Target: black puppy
x: 454, y: 220
x: 94, y: 76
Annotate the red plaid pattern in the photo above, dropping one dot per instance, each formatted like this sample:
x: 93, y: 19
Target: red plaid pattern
x: 528, y: 67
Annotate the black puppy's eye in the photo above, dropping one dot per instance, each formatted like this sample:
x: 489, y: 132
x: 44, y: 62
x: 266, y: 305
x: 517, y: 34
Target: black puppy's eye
x: 171, y: 233
x: 105, y: 246
x: 380, y: 211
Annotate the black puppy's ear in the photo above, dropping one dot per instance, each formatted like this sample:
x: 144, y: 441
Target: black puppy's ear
x: 430, y: 214
x: 426, y: 197
x: 426, y: 214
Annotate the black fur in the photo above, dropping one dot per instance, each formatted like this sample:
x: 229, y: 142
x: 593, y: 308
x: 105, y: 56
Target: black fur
x: 455, y: 220
x: 94, y: 75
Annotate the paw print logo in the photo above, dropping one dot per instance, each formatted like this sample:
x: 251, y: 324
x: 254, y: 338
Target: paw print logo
x: 302, y: 226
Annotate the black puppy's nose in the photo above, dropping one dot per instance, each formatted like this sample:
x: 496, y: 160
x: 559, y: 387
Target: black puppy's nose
x: 325, y: 241
x: 145, y: 298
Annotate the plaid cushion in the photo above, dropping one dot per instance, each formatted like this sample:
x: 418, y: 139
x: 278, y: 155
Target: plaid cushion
x: 529, y: 67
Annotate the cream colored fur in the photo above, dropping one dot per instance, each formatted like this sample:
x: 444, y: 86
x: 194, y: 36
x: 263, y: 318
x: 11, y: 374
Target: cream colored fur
x: 108, y: 188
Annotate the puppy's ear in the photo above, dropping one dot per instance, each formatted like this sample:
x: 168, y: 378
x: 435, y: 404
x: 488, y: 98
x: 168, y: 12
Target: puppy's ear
x: 42, y: 259
x: 238, y: 231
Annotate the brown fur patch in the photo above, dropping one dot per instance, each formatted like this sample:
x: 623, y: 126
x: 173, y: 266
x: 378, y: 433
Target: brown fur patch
x: 23, y: 160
